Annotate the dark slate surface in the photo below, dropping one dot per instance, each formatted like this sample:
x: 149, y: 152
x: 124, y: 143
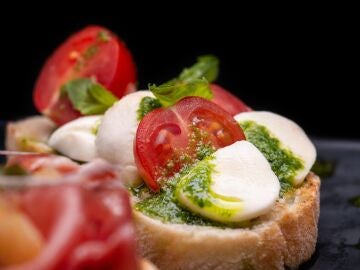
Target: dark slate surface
x: 338, y: 245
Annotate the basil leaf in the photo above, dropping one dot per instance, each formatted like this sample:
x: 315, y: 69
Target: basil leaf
x: 207, y: 67
x: 192, y: 81
x: 147, y: 104
x: 89, y: 97
x: 169, y: 93
x: 102, y: 95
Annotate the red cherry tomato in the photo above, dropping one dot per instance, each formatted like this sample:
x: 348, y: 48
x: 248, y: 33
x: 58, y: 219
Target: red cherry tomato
x: 92, y: 52
x: 228, y: 101
x: 167, y: 139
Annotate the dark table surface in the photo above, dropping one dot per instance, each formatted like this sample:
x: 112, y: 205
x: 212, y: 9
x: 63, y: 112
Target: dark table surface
x: 338, y: 245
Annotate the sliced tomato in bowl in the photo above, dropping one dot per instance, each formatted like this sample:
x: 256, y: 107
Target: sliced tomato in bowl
x: 167, y: 139
x: 93, y: 52
x: 228, y: 101
x: 82, y: 226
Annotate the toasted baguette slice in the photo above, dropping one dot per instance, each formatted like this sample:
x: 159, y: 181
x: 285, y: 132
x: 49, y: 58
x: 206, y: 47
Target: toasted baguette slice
x: 285, y: 237
x: 146, y: 265
x: 29, y: 134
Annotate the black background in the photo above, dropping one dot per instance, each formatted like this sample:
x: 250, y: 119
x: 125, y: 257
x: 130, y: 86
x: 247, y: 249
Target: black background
x: 301, y: 68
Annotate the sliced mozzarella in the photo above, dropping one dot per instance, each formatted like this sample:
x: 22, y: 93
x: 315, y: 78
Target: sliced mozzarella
x: 76, y: 139
x: 242, y: 185
x: 115, y: 138
x: 290, y: 135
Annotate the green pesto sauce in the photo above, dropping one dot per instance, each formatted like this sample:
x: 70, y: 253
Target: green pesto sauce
x: 164, y: 205
x: 283, y: 162
x: 95, y: 127
x: 195, y: 183
x: 147, y: 104
x: 196, y: 187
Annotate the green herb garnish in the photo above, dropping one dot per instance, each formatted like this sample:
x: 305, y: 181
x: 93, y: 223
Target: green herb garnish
x: 207, y: 67
x: 103, y: 36
x: 88, y: 97
x: 193, y: 81
x: 147, y: 104
x: 83, y: 59
x: 169, y: 93
x: 204, y: 150
x: 90, y: 52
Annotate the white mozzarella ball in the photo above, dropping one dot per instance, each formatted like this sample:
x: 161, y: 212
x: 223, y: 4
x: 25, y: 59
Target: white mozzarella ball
x: 115, y: 138
x: 76, y: 139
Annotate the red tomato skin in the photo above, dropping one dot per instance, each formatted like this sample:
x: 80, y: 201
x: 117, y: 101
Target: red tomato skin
x: 111, y: 64
x: 228, y: 101
x: 176, y: 120
x: 62, y: 111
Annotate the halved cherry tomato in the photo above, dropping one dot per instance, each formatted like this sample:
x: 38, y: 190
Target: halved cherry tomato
x: 92, y: 52
x: 167, y: 139
x: 228, y: 101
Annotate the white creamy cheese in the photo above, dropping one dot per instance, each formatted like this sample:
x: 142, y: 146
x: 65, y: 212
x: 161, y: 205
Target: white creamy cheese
x: 115, y: 138
x: 76, y: 139
x: 242, y: 185
x: 291, y: 136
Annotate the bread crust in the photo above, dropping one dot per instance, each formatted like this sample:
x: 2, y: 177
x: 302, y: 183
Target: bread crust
x: 286, y: 236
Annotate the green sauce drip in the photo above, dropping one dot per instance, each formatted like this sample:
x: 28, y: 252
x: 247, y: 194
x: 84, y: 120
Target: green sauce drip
x: 283, y: 162
x: 323, y: 168
x: 147, y: 104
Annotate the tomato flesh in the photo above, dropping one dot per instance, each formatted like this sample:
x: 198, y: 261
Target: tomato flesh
x: 228, y: 101
x: 93, y: 52
x: 169, y: 138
